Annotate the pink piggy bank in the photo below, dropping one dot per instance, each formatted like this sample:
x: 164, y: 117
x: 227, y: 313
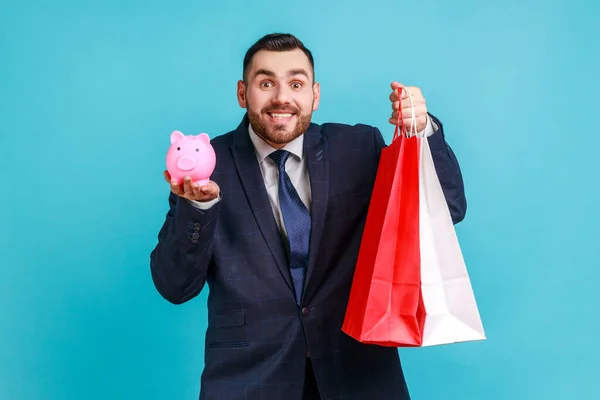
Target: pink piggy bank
x: 191, y: 155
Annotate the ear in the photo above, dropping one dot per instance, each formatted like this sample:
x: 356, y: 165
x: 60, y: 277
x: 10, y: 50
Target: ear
x: 316, y: 95
x: 204, y: 138
x: 241, y: 94
x: 175, y: 136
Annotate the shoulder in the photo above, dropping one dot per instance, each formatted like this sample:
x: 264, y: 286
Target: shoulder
x: 347, y: 135
x: 337, y: 129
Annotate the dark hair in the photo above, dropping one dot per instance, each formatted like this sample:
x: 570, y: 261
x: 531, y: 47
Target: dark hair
x: 277, y: 42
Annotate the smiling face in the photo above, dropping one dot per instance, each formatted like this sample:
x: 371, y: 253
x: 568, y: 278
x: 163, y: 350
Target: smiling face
x: 279, y: 94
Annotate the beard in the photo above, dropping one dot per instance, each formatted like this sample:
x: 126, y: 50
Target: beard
x: 280, y: 134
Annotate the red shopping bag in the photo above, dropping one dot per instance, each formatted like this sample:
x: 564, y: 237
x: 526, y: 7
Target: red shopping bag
x: 385, y: 306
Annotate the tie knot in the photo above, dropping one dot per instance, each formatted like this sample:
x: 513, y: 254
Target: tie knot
x: 279, y: 157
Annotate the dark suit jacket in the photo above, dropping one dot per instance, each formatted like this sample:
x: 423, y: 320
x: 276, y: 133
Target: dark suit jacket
x: 258, y: 339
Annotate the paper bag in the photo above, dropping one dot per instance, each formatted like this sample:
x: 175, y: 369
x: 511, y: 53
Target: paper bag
x: 411, y: 286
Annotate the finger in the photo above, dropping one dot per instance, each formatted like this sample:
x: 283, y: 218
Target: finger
x: 206, y: 192
x: 396, y: 88
x: 188, y: 186
x: 176, y: 188
x: 395, y: 95
x: 174, y: 185
x: 408, y: 114
x: 198, y: 193
x: 211, y: 190
x: 407, y: 104
x: 414, y: 91
x: 396, y: 85
x: 416, y: 103
x: 419, y: 105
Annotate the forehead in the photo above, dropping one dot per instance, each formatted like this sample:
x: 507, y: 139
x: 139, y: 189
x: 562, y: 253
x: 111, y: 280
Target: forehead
x: 280, y: 62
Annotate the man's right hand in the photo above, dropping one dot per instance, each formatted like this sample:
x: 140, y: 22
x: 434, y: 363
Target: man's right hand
x: 191, y: 191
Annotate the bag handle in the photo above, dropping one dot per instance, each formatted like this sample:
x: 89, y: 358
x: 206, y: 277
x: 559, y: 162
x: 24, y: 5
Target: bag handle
x: 400, y: 121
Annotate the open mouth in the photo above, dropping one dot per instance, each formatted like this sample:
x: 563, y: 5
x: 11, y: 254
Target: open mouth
x: 280, y: 116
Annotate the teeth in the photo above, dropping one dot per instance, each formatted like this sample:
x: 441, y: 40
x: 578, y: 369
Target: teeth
x: 281, y: 115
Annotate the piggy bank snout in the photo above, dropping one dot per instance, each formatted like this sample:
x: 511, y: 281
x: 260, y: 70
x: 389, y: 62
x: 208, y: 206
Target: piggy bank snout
x: 186, y: 163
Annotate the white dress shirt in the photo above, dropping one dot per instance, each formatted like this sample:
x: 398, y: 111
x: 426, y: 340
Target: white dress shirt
x: 295, y: 168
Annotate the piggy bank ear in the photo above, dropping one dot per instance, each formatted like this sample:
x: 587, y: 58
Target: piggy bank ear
x: 175, y: 136
x: 204, y: 138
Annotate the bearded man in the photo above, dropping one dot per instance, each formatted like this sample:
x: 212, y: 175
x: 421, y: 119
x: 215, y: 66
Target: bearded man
x: 275, y: 236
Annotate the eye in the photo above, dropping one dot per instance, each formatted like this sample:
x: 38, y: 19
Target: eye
x: 179, y: 148
x: 266, y: 84
x: 197, y: 149
x: 297, y: 85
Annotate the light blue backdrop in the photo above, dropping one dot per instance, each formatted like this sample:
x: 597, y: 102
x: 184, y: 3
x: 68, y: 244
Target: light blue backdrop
x: 90, y: 90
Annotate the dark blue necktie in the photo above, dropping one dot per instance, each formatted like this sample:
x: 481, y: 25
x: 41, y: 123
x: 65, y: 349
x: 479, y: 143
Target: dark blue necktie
x: 297, y: 223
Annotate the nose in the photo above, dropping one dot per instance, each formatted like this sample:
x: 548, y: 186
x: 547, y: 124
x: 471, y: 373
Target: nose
x: 186, y: 163
x: 283, y: 95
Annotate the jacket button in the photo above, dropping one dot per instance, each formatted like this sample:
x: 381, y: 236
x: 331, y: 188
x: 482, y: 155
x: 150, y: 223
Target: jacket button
x: 305, y: 311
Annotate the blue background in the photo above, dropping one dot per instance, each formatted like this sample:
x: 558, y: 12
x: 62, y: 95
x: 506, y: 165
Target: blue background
x: 90, y: 91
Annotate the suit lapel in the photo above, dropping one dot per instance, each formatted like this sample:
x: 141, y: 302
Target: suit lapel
x: 315, y: 150
x: 244, y: 157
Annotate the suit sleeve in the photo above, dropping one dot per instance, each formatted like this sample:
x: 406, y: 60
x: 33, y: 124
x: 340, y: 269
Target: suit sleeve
x: 180, y: 260
x: 446, y: 167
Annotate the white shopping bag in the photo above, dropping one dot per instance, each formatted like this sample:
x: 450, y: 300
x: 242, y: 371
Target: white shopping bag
x: 451, y: 310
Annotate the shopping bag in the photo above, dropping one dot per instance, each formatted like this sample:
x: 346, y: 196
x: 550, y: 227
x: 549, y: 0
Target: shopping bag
x: 410, y: 286
x: 385, y: 306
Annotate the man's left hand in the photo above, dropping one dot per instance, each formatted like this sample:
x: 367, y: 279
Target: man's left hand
x: 418, y: 102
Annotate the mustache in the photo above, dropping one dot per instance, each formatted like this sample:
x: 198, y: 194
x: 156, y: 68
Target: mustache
x: 289, y: 109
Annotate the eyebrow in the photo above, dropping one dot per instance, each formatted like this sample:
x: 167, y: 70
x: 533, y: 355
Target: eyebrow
x: 297, y: 71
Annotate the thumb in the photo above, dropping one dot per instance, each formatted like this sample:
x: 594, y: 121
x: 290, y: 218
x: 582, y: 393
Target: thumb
x: 396, y: 85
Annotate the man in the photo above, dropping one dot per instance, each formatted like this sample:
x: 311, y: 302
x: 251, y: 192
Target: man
x: 276, y: 234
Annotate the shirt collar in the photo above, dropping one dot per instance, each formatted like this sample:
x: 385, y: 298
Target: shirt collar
x: 263, y: 149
